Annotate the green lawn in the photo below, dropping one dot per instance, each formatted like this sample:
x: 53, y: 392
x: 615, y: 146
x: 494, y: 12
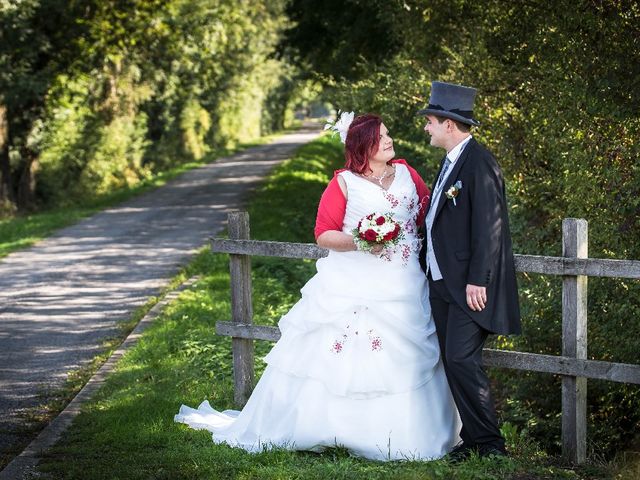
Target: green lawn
x: 127, y: 430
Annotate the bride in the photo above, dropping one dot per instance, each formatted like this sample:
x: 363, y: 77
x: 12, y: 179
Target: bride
x: 358, y: 364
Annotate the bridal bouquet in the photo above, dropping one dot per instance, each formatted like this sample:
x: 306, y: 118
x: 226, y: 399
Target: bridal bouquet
x: 377, y: 228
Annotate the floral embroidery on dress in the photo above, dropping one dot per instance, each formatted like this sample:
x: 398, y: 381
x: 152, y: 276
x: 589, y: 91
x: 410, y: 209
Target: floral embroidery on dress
x: 376, y: 342
x: 406, y: 253
x: 387, y: 254
x: 391, y: 198
x: 338, y: 345
x: 412, y: 243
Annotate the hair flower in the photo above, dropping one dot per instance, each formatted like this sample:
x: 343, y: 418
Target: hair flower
x: 342, y: 125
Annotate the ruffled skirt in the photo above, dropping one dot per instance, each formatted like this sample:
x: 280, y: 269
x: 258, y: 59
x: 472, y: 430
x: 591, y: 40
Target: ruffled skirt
x: 357, y: 365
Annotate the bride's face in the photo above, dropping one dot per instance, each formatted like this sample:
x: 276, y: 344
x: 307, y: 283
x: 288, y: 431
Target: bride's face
x: 385, y: 150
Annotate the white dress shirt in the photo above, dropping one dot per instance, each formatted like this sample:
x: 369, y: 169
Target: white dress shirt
x: 452, y: 155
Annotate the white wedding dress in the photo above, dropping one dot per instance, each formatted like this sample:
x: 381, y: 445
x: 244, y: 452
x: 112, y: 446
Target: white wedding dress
x: 358, y: 364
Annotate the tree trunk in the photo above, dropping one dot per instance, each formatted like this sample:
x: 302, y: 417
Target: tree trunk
x: 27, y: 183
x: 6, y: 194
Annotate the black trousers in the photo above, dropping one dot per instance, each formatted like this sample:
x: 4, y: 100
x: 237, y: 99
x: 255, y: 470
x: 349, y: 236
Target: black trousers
x: 461, y: 342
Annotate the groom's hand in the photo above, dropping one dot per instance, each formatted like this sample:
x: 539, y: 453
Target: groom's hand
x: 476, y: 297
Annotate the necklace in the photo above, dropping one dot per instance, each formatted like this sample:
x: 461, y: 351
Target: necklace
x: 381, y: 177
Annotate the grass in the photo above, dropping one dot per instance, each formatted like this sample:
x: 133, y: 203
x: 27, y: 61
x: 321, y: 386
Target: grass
x: 53, y: 401
x: 127, y: 430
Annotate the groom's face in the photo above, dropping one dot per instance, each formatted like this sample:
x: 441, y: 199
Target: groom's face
x: 436, y: 130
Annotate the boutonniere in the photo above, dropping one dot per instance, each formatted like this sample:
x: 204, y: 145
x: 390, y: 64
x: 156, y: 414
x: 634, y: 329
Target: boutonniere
x: 453, y: 191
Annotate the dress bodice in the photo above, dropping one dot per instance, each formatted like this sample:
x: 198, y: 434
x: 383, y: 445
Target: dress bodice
x: 400, y: 199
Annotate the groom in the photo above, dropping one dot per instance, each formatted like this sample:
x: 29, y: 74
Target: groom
x: 468, y: 260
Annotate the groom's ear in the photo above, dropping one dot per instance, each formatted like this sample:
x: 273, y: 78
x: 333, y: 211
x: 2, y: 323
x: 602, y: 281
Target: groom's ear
x: 463, y: 127
x: 449, y: 124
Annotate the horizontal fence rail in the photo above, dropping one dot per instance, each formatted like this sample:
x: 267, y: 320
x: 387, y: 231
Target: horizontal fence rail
x: 572, y: 365
x: 592, y: 267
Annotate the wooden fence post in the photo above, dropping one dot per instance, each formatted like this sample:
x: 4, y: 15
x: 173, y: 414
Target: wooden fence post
x: 574, y: 342
x: 241, y: 309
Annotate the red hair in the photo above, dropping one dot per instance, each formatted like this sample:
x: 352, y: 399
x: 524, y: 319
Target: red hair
x: 363, y: 139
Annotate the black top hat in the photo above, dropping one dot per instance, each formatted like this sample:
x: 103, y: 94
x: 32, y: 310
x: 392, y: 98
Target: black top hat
x: 451, y: 101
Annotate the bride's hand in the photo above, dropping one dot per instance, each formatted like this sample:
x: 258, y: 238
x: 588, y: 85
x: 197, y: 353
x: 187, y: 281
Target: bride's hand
x: 376, y: 249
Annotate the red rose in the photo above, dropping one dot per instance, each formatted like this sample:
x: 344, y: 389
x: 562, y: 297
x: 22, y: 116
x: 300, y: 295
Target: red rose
x: 380, y: 220
x: 388, y: 236
x: 370, y: 235
x: 396, y: 230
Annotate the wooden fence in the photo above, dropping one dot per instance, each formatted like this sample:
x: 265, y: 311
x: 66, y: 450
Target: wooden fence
x: 573, y: 365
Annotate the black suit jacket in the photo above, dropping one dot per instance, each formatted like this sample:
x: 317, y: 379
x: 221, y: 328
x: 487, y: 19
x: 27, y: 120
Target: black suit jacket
x: 472, y: 241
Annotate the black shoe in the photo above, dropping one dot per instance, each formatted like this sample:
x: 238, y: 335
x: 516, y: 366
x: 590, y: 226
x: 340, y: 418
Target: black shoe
x: 491, y: 450
x: 460, y: 453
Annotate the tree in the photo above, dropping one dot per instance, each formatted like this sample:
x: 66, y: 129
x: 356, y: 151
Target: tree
x: 34, y: 44
x: 99, y: 94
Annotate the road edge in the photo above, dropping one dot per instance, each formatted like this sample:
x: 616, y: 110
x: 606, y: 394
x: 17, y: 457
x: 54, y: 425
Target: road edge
x: 24, y: 465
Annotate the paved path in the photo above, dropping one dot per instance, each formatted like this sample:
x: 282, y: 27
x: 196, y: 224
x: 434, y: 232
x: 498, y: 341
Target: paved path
x: 60, y: 298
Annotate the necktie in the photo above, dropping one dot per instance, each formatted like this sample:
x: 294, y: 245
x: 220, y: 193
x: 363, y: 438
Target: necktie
x: 443, y: 172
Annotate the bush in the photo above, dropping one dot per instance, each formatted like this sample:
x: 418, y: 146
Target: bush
x: 558, y: 96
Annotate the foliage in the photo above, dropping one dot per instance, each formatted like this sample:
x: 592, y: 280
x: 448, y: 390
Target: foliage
x: 195, y: 123
x: 558, y: 101
x: 337, y: 37
x: 96, y: 95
